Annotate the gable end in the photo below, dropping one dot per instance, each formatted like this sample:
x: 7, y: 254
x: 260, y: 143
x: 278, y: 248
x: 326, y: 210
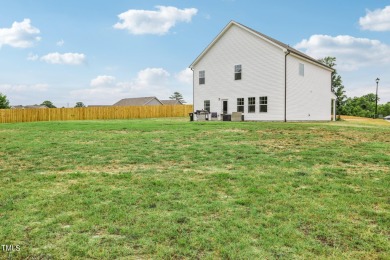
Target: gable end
x: 284, y: 47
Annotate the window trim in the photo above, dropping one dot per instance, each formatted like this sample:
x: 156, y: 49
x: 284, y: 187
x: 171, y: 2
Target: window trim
x: 202, y: 77
x: 206, y: 107
x: 240, y: 105
x: 238, y: 72
x: 250, y: 105
x: 263, y: 102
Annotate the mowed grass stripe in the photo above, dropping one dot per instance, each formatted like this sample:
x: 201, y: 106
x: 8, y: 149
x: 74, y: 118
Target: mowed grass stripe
x: 168, y: 188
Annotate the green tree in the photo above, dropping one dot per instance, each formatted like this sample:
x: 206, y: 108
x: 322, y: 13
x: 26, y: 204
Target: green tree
x: 48, y: 103
x: 363, y: 106
x: 177, y: 96
x: 337, y: 84
x: 4, y: 103
x: 79, y: 104
x: 384, y: 109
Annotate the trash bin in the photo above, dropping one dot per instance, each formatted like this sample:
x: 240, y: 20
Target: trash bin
x: 191, y: 116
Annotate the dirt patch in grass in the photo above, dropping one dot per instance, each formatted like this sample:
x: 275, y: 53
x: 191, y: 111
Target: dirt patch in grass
x: 118, y: 168
x: 364, y: 120
x: 121, y: 132
x: 88, y: 142
x: 234, y: 130
x: 158, y: 132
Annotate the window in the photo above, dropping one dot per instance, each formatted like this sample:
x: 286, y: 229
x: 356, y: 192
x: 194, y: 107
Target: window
x: 207, y: 105
x: 263, y: 104
x: 240, y: 105
x: 301, y: 69
x: 202, y: 77
x: 251, y: 104
x: 237, y: 72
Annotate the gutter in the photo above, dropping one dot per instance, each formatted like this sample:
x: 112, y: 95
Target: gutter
x: 287, y: 52
x: 193, y: 87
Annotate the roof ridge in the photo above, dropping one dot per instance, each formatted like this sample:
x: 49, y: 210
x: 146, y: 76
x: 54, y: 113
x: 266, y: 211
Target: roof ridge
x: 288, y: 47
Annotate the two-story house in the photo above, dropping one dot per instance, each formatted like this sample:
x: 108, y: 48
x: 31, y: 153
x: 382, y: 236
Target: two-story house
x: 245, y: 71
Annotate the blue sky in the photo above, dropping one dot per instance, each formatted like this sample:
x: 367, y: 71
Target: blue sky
x: 100, y: 51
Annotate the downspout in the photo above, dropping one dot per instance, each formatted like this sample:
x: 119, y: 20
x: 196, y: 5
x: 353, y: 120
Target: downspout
x: 335, y: 100
x: 287, y: 52
x: 193, y: 89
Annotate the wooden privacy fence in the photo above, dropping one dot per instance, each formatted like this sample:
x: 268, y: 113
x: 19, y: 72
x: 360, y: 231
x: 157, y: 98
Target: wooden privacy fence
x: 92, y: 113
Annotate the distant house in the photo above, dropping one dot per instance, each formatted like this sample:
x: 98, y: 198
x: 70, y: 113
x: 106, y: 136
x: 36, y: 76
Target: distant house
x: 141, y: 101
x: 17, y: 107
x: 35, y: 106
x: 171, y: 102
x: 28, y: 107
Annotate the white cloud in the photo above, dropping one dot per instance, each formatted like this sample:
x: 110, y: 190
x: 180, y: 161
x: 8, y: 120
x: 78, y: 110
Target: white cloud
x: 32, y: 57
x: 185, y: 76
x: 20, y: 35
x: 60, y: 43
x: 103, y: 81
x: 153, y: 22
x: 19, y: 88
x: 351, y: 53
x: 377, y: 20
x: 65, y: 58
x: 151, y: 77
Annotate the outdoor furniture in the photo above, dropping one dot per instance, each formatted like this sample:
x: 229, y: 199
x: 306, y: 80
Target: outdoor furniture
x: 202, y: 115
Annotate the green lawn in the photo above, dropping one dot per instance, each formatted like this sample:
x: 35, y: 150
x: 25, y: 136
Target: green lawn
x: 169, y: 188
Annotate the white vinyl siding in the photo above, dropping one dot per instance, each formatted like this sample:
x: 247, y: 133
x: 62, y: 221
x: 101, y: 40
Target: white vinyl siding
x: 264, y: 74
x: 308, y: 97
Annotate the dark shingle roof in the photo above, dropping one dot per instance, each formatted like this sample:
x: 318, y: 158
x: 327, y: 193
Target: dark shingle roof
x: 140, y: 101
x: 29, y: 107
x: 171, y: 102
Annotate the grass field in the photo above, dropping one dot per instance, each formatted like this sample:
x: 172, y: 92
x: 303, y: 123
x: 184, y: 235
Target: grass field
x: 168, y: 188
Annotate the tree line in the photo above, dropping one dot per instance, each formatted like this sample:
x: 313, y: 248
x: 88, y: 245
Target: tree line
x: 4, y: 103
x: 363, y: 106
